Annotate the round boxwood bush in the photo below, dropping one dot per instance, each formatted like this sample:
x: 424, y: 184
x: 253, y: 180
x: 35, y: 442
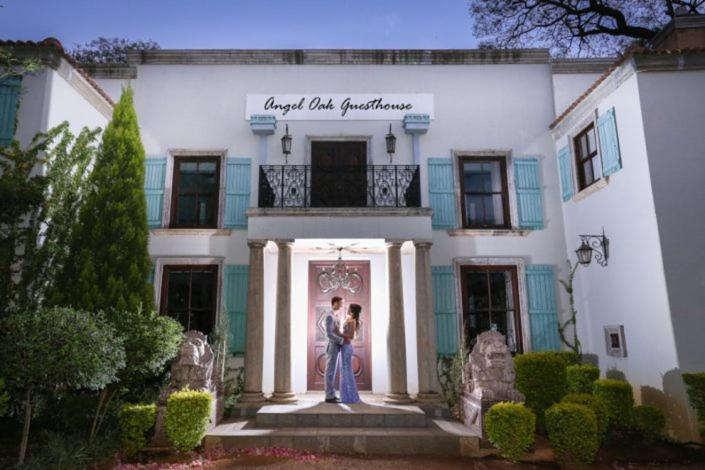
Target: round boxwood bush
x: 648, y: 421
x: 510, y: 428
x: 572, y: 431
x: 617, y: 396
x: 596, y: 405
x: 135, y: 422
x: 187, y: 417
x: 581, y: 377
x: 568, y: 357
x: 541, y: 377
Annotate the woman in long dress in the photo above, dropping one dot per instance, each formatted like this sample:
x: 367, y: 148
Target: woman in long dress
x: 348, y: 387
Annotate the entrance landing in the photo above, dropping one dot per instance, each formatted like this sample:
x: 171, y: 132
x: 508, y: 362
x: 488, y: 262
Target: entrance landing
x: 370, y: 427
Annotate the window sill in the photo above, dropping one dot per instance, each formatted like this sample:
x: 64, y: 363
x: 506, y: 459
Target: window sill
x: 596, y: 186
x: 209, y: 232
x: 475, y: 232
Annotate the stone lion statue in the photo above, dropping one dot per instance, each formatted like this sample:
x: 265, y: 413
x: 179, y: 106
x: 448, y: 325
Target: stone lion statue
x: 489, y: 372
x: 193, y: 366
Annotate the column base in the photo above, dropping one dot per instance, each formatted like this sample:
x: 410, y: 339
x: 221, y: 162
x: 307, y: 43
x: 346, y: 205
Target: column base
x: 252, y: 397
x: 429, y: 398
x: 398, y: 398
x: 283, y: 397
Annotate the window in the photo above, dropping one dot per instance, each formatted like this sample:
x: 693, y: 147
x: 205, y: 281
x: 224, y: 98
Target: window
x: 189, y: 295
x: 195, y: 200
x: 484, y: 198
x: 586, y: 160
x: 491, y: 302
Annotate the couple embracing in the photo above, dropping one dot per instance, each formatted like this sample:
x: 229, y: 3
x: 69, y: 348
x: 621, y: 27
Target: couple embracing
x: 339, y: 343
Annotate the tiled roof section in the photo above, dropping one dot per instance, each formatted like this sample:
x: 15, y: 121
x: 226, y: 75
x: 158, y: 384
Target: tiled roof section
x: 628, y: 54
x: 55, y: 46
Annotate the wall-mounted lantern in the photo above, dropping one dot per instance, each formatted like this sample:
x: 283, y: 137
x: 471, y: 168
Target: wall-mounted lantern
x: 391, y: 141
x: 599, y: 244
x: 286, y: 144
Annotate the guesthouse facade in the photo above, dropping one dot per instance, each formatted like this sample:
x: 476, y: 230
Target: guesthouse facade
x: 444, y: 191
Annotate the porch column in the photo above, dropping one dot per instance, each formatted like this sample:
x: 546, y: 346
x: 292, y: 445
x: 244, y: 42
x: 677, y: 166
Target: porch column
x: 396, y: 335
x: 254, y: 339
x: 429, y: 387
x: 282, y: 337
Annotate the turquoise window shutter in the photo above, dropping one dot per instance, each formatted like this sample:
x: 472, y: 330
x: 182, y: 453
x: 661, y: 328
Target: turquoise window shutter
x: 565, y: 168
x: 237, y: 192
x: 155, y: 171
x: 444, y: 307
x: 9, y: 99
x: 528, y: 186
x: 609, y: 143
x: 441, y: 192
x: 150, y: 276
x: 543, y: 313
x: 235, y: 296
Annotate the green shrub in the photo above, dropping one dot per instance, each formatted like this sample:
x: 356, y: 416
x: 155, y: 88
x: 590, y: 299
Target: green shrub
x: 4, y: 399
x: 568, y: 357
x: 510, y: 428
x: 696, y: 395
x: 581, y: 377
x: 572, y: 431
x: 135, y: 422
x: 541, y: 377
x: 649, y: 421
x: 617, y: 396
x: 187, y: 415
x: 596, y: 405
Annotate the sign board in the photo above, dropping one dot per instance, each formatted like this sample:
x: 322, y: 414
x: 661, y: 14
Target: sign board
x: 340, y: 107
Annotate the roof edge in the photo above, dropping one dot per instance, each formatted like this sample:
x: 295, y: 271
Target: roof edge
x: 590, y: 65
x: 337, y: 56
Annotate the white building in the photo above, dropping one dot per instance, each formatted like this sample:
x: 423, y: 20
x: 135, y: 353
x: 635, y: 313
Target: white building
x: 503, y: 159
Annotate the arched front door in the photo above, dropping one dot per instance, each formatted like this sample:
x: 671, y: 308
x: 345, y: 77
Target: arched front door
x: 319, y: 305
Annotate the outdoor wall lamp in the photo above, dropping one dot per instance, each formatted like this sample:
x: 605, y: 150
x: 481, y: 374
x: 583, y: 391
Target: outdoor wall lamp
x: 391, y: 141
x: 593, y: 243
x: 286, y: 144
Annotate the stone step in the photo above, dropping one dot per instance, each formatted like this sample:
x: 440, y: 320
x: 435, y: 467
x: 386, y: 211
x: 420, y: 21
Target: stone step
x: 440, y: 437
x: 361, y: 415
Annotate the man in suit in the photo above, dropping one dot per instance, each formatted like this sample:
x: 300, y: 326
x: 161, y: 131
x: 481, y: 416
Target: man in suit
x: 335, y: 341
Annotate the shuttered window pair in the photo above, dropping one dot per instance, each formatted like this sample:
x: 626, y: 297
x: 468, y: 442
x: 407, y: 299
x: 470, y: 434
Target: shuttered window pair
x: 609, y: 155
x: 237, y: 193
x: 484, y: 195
x: 542, y: 309
x: 9, y: 102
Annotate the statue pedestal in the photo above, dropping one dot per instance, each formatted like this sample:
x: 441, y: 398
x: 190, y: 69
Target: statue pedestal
x: 474, y: 410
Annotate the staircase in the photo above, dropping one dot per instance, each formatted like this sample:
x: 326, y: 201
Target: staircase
x: 371, y: 427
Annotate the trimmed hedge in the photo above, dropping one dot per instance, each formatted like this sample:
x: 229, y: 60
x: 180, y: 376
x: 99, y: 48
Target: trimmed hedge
x: 695, y: 384
x: 541, y: 377
x: 572, y: 431
x: 510, y: 428
x: 187, y: 418
x: 596, y: 405
x: 649, y: 421
x: 617, y: 396
x: 135, y: 422
x: 580, y: 377
x: 568, y: 357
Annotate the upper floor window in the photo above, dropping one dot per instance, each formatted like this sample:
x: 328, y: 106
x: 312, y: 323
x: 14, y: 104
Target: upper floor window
x: 586, y: 159
x: 196, y: 189
x: 483, y: 188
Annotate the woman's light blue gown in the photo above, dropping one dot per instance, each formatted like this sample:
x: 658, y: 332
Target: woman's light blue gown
x: 348, y: 387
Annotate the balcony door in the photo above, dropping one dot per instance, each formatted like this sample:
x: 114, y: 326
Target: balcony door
x: 338, y: 174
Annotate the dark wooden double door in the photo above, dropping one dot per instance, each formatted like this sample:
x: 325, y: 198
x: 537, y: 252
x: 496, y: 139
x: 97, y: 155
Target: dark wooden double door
x: 318, y: 307
x: 338, y: 174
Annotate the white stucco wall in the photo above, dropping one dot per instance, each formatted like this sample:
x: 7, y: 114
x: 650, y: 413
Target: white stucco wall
x: 568, y: 87
x: 631, y: 290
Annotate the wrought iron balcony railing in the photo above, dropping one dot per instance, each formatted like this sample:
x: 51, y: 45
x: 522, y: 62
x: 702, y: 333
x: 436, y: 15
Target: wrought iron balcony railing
x: 339, y: 186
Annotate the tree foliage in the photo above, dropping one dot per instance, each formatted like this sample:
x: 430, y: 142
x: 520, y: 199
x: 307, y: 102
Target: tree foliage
x: 574, y: 27
x: 12, y: 66
x: 42, y: 187
x: 108, y: 50
x: 110, y: 262
x: 48, y: 351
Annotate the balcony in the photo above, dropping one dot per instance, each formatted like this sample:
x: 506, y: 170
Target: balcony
x: 290, y: 186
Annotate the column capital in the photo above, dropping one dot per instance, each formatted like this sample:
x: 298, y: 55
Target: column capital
x: 423, y: 244
x: 393, y: 243
x: 284, y: 242
x: 256, y: 243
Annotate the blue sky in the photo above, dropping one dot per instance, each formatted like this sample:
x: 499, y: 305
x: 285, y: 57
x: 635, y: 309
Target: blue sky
x: 245, y: 24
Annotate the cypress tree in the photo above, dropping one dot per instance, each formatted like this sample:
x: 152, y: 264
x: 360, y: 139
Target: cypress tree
x: 110, y: 263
